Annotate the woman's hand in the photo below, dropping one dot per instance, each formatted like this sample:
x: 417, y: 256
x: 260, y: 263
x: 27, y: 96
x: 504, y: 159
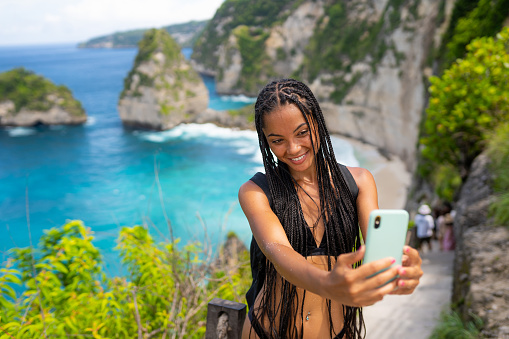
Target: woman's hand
x: 410, y: 272
x: 355, y: 287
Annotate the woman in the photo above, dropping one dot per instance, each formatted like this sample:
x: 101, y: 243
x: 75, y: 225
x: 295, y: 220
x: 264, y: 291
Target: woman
x: 305, y: 213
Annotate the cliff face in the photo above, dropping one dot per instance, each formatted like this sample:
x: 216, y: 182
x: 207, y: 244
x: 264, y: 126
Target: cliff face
x: 365, y: 60
x: 162, y: 90
x: 27, y: 99
x: 481, y: 267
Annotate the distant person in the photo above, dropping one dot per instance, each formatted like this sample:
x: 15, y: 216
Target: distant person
x: 307, y: 213
x: 440, y: 224
x: 425, y: 225
x: 449, y: 242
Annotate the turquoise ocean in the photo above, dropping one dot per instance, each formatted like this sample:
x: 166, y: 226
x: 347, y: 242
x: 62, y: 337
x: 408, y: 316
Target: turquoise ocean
x: 105, y: 174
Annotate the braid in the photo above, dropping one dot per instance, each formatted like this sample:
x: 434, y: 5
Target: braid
x: 336, y: 202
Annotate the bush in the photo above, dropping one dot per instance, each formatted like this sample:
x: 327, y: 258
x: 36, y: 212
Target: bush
x: 65, y: 292
x: 467, y: 103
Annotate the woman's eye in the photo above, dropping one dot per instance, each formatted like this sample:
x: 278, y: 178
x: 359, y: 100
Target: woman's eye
x: 276, y: 141
x: 303, y: 132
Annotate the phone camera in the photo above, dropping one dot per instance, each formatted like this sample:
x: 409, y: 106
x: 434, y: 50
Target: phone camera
x: 377, y: 221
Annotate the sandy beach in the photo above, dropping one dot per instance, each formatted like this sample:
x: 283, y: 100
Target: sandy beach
x: 391, y: 175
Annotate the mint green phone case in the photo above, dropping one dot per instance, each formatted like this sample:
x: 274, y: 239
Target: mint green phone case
x: 388, y: 239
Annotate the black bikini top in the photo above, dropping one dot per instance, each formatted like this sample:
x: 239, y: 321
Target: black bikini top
x: 258, y: 258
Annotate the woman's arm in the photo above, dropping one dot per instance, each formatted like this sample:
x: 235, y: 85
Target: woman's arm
x: 367, y: 200
x: 344, y: 284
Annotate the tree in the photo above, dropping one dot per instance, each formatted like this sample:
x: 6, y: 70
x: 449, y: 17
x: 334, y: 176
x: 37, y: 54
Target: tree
x: 467, y: 102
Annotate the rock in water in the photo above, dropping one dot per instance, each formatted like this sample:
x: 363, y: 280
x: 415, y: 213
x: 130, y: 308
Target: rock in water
x: 162, y: 90
x: 27, y: 99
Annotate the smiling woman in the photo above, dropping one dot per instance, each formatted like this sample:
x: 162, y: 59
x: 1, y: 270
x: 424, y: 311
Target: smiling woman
x: 307, y: 213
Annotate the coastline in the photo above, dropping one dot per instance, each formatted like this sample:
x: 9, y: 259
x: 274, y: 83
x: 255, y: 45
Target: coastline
x: 391, y: 175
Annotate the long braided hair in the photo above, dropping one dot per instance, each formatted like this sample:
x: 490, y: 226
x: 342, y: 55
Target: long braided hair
x: 337, y: 206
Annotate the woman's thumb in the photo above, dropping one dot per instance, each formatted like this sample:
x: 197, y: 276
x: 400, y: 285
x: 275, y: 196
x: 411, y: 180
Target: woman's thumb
x: 353, y: 257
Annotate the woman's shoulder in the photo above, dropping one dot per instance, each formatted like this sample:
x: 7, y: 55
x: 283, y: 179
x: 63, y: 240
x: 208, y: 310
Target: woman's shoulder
x: 254, y: 187
x: 363, y: 178
x: 360, y: 174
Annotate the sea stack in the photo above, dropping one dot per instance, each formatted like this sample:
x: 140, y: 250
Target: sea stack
x: 162, y: 90
x: 28, y: 99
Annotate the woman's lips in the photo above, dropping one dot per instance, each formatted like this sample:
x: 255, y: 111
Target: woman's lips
x: 300, y: 159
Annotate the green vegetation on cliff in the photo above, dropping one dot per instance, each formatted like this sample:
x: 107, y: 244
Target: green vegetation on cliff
x: 466, y: 104
x: 255, y: 62
x: 471, y: 19
x: 67, y: 294
x: 261, y: 14
x: 250, y: 23
x: 189, y: 31
x: 33, y: 92
x: 338, y: 43
x: 154, y: 41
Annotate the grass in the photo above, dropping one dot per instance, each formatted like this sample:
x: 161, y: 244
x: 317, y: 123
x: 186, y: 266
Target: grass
x: 451, y: 326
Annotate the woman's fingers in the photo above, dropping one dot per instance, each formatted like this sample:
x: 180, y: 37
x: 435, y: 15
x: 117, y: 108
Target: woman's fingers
x: 410, y: 272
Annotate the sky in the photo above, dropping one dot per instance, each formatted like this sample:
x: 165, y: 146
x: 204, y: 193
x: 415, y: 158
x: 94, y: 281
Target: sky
x: 29, y: 22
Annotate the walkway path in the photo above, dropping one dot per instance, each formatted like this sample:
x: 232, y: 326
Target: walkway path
x: 414, y: 316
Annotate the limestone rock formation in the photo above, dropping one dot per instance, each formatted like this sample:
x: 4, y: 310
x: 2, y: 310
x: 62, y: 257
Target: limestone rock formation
x: 481, y: 267
x: 162, y: 90
x: 27, y: 99
x: 365, y: 60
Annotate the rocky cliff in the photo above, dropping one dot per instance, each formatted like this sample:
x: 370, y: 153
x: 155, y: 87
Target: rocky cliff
x: 27, y: 99
x: 162, y: 90
x: 481, y: 268
x: 365, y: 60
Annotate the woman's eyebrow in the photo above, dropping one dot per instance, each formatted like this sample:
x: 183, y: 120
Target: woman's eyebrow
x: 295, y: 130
x: 278, y: 135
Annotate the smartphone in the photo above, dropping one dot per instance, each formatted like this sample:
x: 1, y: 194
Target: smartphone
x: 386, y: 236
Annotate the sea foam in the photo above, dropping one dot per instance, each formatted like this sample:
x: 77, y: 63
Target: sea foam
x: 244, y: 141
x: 238, y: 98
x: 21, y: 131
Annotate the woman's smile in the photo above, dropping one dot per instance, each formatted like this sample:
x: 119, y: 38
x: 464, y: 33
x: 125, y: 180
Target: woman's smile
x: 300, y: 159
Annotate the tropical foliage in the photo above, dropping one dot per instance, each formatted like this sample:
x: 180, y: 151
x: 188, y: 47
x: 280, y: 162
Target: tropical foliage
x: 471, y: 19
x: 33, y: 92
x: 66, y: 293
x: 467, y: 102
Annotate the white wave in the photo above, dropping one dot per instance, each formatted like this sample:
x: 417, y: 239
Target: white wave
x: 195, y: 131
x: 244, y: 141
x: 21, y: 131
x: 159, y: 137
x: 237, y: 98
x: 91, y: 121
x: 344, y: 152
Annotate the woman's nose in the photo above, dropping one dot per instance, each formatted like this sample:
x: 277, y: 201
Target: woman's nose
x: 293, y: 148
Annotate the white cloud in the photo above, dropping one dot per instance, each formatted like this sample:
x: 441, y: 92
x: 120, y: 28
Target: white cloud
x: 53, y: 21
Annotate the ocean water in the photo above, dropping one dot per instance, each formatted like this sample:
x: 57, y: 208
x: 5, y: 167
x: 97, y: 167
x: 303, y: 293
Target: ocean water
x: 110, y: 176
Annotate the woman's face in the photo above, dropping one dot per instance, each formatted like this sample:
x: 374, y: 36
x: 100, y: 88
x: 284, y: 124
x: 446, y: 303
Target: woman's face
x: 289, y: 137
